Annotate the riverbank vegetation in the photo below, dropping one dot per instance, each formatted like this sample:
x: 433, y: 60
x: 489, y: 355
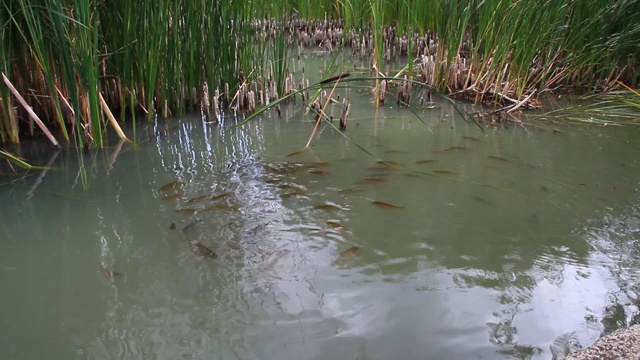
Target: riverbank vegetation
x: 82, y: 66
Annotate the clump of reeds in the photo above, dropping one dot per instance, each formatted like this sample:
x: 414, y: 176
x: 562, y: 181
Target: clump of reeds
x: 77, y: 62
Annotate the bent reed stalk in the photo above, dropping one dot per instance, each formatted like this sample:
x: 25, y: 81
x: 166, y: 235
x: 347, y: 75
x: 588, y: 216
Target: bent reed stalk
x: 163, y: 58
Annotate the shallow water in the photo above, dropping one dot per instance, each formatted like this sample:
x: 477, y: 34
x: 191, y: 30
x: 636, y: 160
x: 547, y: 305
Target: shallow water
x: 465, y: 244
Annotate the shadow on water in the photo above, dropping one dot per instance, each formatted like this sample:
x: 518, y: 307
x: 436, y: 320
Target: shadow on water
x: 208, y: 240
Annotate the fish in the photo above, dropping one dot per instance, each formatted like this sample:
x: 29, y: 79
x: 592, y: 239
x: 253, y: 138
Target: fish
x: 292, y: 186
x: 481, y: 200
x: 169, y: 186
x: 191, y: 226
x: 498, y: 158
x: 202, y: 250
x: 446, y: 172
x: 390, y: 163
x: 373, y: 180
x: 386, y: 205
x: 471, y: 138
x: 428, y: 161
x: 172, y: 226
x: 108, y: 272
x: 457, y: 148
x: 329, y: 206
x: 320, y: 164
x: 219, y: 207
x: 319, y: 172
x: 296, y: 153
x: 347, y: 255
x: 396, y: 152
x: 222, y: 196
x: 190, y: 211
x: 379, y: 168
x: 196, y: 199
x: 333, y: 224
x: 171, y: 197
x: 544, y: 188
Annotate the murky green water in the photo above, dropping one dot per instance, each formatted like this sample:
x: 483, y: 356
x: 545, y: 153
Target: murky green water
x: 471, y: 245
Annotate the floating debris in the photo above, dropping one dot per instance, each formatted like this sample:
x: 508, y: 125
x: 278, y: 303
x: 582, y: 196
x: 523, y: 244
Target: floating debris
x: 171, y: 197
x: 169, y: 186
x: 386, y: 205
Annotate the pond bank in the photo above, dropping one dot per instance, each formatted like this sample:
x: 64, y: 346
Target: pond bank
x: 622, y: 344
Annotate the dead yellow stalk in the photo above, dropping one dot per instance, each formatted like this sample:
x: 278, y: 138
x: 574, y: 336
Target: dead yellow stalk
x: 112, y: 119
x: 30, y: 111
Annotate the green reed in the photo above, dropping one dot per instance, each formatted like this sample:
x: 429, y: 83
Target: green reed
x: 156, y: 56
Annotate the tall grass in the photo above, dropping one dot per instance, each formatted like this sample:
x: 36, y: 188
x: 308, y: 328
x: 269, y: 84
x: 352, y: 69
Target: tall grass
x: 157, y: 57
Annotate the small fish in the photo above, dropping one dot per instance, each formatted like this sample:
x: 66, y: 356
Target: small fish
x: 446, y: 172
x: 333, y: 224
x: 457, y: 148
x: 379, y: 168
x: 202, y: 250
x: 347, y: 255
x: 171, y: 197
x: 196, y: 199
x: 544, y: 188
x: 390, y: 163
x: 219, y: 207
x: 319, y: 172
x: 320, y: 164
x: 481, y: 200
x: 396, y: 152
x: 191, y: 226
x: 328, y: 206
x: 429, y: 161
x: 498, y: 158
x: 471, y: 138
x: 373, y: 180
x: 292, y: 186
x: 189, y: 211
x: 386, y: 205
x: 221, y: 196
x: 172, y: 226
x: 296, y: 153
x: 169, y: 186
x: 108, y: 272
x: 350, y: 190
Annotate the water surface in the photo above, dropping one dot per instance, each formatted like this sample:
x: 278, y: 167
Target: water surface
x: 461, y: 244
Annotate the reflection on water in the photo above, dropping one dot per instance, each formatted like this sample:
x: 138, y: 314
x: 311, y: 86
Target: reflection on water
x: 223, y: 242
